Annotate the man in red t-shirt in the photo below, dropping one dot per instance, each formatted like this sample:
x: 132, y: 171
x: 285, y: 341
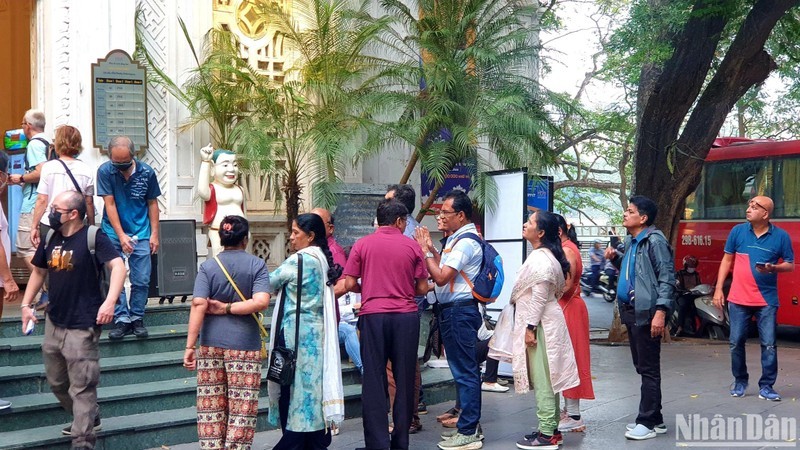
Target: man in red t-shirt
x: 392, y: 271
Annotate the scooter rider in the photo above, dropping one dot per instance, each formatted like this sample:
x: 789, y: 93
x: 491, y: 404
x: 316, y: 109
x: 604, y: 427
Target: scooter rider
x: 687, y: 279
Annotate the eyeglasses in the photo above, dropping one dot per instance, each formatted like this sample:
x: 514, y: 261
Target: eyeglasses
x: 443, y: 213
x: 755, y: 203
x: 58, y: 210
x: 24, y: 123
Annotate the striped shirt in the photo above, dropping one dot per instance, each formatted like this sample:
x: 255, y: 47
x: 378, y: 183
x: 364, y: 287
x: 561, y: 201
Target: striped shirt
x: 462, y: 255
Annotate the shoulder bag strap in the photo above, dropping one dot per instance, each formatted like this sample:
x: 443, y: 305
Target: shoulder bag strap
x: 69, y: 172
x: 474, y: 237
x: 299, y: 298
x: 241, y: 296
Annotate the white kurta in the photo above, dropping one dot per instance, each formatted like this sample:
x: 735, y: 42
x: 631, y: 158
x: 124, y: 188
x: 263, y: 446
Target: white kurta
x: 539, y: 285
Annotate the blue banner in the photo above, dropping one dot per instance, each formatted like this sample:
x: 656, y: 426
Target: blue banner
x: 460, y: 177
x: 540, y: 193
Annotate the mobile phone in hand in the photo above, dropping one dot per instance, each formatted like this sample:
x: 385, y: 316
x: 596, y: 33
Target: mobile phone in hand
x: 29, y: 328
x: 761, y: 265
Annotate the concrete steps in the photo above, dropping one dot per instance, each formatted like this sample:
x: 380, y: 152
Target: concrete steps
x: 146, y: 397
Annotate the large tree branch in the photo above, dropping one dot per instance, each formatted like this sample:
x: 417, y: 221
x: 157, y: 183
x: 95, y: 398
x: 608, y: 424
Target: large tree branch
x: 580, y: 213
x: 746, y: 64
x: 585, y: 168
x: 673, y: 92
x: 668, y: 167
x: 571, y: 141
x: 584, y: 183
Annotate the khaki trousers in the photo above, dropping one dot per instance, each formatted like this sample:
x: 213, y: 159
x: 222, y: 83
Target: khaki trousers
x: 72, y: 365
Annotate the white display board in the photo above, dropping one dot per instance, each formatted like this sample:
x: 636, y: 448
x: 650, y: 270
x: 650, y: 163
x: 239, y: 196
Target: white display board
x: 503, y: 229
x: 505, y: 221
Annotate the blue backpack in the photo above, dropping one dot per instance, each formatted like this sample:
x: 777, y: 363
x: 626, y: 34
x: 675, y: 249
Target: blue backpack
x: 488, y: 283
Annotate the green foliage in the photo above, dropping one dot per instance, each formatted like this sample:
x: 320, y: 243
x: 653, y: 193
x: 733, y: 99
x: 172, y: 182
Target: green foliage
x: 773, y: 114
x: 331, y: 99
x: 217, y: 92
x: 472, y: 58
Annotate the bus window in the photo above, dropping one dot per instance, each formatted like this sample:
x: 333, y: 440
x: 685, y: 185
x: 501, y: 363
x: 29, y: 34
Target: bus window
x: 730, y: 185
x: 693, y: 206
x: 787, y: 188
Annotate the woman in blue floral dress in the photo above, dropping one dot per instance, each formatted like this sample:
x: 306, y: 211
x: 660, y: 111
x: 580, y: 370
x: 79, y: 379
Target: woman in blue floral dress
x: 315, y: 397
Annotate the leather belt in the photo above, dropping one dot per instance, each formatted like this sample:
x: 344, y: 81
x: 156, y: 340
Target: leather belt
x: 459, y: 303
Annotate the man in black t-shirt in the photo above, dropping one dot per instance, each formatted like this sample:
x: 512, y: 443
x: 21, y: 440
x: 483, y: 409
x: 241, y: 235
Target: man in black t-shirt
x: 75, y: 312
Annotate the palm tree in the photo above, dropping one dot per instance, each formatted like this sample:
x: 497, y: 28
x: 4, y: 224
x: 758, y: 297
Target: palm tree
x: 316, y: 122
x: 217, y: 92
x: 331, y: 101
x: 467, y: 97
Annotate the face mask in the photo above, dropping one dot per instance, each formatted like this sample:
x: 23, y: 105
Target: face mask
x: 122, y: 167
x: 54, y: 218
x: 690, y: 269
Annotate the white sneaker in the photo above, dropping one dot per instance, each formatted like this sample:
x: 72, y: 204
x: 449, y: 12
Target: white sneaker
x: 4, y: 404
x: 570, y: 424
x: 659, y: 429
x: 493, y: 387
x: 640, y: 433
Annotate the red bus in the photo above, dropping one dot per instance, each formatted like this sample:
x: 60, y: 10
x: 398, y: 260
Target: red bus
x: 736, y: 170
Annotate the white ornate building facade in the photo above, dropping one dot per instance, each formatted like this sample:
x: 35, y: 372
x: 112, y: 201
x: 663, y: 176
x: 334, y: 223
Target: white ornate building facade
x: 61, y: 39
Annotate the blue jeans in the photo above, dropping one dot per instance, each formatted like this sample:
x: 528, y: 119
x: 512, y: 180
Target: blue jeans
x: 349, y: 337
x: 139, y: 266
x: 766, y: 319
x: 459, y: 328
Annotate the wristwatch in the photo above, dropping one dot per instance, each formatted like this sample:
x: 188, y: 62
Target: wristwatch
x: 532, y: 328
x: 429, y: 255
x: 228, y: 308
x: 22, y: 178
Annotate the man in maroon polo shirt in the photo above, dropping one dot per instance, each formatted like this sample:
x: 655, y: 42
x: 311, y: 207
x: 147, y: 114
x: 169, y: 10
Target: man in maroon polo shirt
x: 392, y: 271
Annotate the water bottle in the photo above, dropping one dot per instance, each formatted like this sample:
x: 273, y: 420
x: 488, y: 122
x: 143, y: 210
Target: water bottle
x: 134, y: 241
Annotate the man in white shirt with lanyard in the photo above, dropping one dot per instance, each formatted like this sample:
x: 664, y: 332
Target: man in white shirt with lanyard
x: 460, y: 319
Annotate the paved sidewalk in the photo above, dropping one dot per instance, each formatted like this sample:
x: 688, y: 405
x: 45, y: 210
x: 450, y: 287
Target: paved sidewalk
x: 695, y: 379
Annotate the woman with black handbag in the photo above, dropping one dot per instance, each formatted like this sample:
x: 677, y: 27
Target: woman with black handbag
x: 228, y: 292
x: 305, y: 376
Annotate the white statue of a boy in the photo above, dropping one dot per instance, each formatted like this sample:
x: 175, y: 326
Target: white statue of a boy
x: 222, y: 196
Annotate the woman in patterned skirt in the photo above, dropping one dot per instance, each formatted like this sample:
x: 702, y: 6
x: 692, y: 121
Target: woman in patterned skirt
x: 315, y: 397
x: 228, y: 361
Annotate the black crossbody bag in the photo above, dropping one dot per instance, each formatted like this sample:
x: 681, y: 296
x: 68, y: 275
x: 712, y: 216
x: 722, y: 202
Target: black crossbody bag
x: 283, y: 360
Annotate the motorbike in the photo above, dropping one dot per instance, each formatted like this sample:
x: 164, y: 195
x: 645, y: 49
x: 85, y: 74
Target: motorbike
x: 706, y: 320
x: 607, y: 286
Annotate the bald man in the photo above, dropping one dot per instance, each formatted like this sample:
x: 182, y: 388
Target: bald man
x: 761, y: 250
x: 336, y: 249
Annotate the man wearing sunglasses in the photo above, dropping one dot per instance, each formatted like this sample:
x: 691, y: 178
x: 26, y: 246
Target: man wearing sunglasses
x: 761, y: 251
x: 130, y: 194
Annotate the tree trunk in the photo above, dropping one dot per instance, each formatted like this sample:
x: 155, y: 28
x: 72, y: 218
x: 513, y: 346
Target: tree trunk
x: 617, y: 333
x: 409, y: 167
x: 740, y: 119
x: 668, y: 161
x: 668, y: 164
x: 429, y: 201
x: 291, y: 192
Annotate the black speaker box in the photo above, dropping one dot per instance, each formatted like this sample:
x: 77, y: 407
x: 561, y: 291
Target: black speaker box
x: 175, y: 264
